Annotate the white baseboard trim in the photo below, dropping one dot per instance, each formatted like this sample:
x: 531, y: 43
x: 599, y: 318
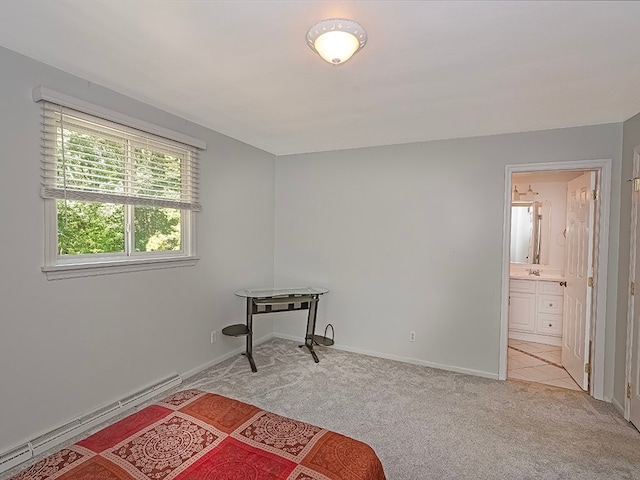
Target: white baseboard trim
x: 533, y: 337
x: 59, y: 435
x: 222, y: 358
x: 414, y: 361
x: 617, y: 405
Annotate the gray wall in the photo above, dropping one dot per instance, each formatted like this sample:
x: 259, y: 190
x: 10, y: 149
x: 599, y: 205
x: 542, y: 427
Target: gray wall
x: 631, y: 139
x: 409, y: 237
x: 69, y: 346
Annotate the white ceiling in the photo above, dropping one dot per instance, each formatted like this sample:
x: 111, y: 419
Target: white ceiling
x: 430, y: 70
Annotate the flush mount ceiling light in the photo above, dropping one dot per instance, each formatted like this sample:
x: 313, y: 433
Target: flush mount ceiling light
x: 336, y: 39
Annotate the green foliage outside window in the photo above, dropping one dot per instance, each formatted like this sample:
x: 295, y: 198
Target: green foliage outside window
x: 157, y: 229
x: 89, y: 227
x: 92, y: 227
x: 95, y: 227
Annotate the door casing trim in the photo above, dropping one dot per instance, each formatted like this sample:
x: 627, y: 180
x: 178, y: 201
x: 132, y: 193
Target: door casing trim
x: 601, y: 250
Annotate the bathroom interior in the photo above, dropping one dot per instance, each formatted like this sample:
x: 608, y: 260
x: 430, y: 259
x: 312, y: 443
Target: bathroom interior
x: 538, y: 253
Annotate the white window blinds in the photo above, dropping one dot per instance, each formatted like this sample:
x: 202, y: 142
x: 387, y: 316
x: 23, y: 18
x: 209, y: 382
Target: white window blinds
x: 91, y: 159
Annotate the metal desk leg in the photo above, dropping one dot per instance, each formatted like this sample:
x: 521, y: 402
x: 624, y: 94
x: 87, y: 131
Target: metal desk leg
x: 311, y: 328
x: 249, y: 350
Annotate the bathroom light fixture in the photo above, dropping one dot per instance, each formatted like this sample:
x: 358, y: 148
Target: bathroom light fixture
x: 336, y: 39
x: 530, y: 195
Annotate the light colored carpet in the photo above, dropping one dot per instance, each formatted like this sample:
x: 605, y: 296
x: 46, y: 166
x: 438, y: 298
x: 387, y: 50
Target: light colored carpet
x: 432, y: 424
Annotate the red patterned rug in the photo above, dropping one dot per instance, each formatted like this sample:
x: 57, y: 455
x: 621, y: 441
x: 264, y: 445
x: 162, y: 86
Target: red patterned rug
x: 198, y: 435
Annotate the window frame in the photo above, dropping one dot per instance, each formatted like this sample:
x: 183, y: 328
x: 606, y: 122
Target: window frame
x: 73, y: 266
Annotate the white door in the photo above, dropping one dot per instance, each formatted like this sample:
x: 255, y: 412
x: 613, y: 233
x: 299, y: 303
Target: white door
x: 578, y: 269
x: 634, y: 398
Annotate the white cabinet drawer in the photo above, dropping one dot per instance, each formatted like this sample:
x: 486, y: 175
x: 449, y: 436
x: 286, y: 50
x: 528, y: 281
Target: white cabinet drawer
x: 536, y: 309
x: 549, y: 324
x: 523, y: 286
x: 550, y: 288
x: 550, y: 304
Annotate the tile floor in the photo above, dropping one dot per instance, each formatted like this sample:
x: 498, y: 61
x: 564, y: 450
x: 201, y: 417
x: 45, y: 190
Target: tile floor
x: 537, y: 362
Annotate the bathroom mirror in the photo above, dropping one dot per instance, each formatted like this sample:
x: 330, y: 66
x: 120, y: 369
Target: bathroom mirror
x: 529, y: 227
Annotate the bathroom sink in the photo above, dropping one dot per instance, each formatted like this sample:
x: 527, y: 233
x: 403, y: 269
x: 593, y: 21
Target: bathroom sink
x: 541, y: 276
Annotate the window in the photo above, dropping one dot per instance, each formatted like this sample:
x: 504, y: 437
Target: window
x: 116, y: 198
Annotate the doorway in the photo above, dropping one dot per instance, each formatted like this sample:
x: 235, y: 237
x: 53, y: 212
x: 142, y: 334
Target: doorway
x: 544, y: 315
x: 551, y: 253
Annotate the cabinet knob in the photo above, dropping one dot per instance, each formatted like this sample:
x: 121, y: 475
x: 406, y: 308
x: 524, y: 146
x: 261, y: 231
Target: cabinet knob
x: 563, y: 284
x: 551, y: 324
x: 551, y: 304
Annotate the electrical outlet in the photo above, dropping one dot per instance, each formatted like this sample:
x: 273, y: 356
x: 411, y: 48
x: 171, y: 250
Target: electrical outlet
x: 214, y: 336
x: 412, y: 336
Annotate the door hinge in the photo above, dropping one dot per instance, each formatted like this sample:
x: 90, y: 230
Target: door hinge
x: 628, y: 390
x: 587, y: 368
x: 594, y: 194
x: 590, y: 282
x: 633, y: 288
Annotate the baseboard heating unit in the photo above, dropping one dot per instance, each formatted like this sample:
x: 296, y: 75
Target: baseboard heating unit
x: 21, y: 453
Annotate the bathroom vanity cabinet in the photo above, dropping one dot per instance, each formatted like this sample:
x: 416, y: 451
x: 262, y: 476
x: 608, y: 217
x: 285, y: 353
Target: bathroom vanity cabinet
x: 535, y: 310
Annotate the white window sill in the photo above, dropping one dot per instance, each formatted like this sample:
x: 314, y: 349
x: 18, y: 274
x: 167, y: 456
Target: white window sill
x: 91, y: 269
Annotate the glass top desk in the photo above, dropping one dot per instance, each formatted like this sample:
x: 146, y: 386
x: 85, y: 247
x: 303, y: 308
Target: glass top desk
x: 273, y: 300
